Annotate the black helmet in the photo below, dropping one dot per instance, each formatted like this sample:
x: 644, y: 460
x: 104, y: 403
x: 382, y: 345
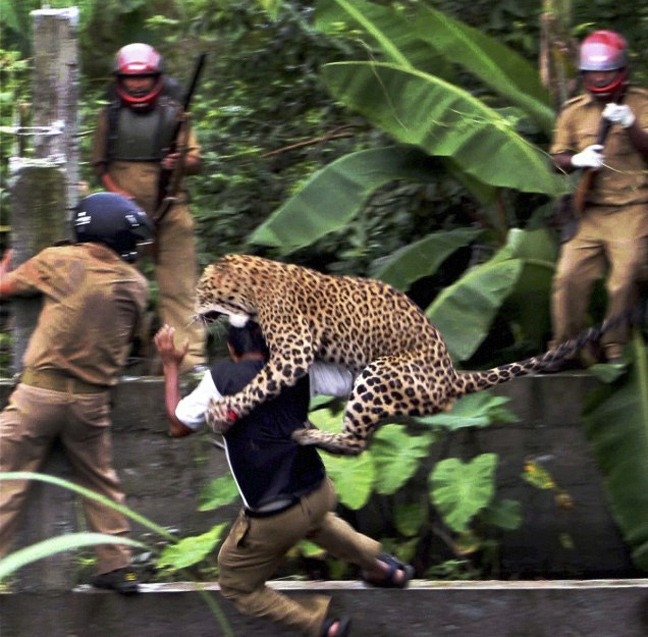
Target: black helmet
x: 113, y: 220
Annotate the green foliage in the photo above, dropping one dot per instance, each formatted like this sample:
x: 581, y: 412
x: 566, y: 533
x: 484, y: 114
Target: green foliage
x: 460, y: 490
x: 16, y: 560
x: 616, y: 424
x: 473, y: 410
x: 190, y: 550
x: 217, y: 493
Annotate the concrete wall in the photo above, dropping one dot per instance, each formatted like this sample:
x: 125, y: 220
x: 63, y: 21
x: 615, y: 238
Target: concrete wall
x: 162, y: 476
x: 469, y: 609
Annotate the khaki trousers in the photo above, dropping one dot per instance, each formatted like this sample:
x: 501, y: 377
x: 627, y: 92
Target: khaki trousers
x: 611, y: 239
x: 255, y: 547
x: 31, y: 421
x: 175, y: 271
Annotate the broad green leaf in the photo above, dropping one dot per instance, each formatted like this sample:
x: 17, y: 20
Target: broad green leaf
x: 444, y: 120
x: 360, y: 12
x: 422, y: 258
x: 528, y: 305
x: 217, y: 493
x: 333, y: 196
x: 397, y: 456
x: 461, y: 490
x: 87, y: 493
x: 353, y: 477
x: 191, y: 550
x: 616, y: 425
x: 53, y: 545
x: 391, y: 31
x: 309, y: 549
x: 494, y: 63
x: 409, y: 518
x: 506, y: 514
x: 464, y: 311
x: 429, y: 34
x: 473, y: 410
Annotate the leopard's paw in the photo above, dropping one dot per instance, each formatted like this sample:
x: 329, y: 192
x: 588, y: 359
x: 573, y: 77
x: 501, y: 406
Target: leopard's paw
x: 220, y: 416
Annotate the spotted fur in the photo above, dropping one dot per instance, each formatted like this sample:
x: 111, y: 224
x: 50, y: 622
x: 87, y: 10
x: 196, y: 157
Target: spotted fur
x: 399, y: 358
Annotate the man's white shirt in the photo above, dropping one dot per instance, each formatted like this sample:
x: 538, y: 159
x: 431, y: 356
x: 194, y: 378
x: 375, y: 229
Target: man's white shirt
x: 325, y: 378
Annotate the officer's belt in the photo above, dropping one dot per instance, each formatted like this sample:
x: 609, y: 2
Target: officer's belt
x: 56, y: 380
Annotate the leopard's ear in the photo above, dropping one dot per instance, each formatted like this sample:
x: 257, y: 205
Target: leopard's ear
x: 238, y: 320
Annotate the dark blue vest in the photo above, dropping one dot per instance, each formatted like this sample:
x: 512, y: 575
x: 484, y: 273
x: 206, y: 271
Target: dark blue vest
x: 267, y: 465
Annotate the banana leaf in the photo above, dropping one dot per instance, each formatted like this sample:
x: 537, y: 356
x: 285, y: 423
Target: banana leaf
x: 403, y: 42
x: 333, y: 196
x: 422, y: 258
x: 616, y: 424
x: 389, y: 29
x: 443, y: 120
x: 464, y: 311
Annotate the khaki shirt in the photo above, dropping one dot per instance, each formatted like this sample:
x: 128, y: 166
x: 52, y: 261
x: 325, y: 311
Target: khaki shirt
x: 140, y: 178
x: 92, y: 302
x: 624, y: 178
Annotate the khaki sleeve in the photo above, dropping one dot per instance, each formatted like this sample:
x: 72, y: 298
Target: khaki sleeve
x: 99, y: 140
x: 562, y: 140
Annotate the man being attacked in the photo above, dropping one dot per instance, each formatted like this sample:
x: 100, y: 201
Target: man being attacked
x: 286, y: 494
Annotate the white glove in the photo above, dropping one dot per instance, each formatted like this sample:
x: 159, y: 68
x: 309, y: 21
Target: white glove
x: 619, y: 114
x: 591, y: 157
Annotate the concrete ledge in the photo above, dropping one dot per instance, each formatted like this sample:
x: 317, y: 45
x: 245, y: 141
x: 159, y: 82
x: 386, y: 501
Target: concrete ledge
x: 161, y: 478
x: 595, y: 608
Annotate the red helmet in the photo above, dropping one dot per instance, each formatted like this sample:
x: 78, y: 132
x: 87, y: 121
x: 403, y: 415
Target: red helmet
x: 605, y: 51
x: 139, y: 59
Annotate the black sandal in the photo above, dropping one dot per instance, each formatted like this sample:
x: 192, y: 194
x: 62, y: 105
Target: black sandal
x: 394, y: 565
x: 344, y: 625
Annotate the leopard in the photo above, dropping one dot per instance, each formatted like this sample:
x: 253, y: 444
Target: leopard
x: 400, y: 362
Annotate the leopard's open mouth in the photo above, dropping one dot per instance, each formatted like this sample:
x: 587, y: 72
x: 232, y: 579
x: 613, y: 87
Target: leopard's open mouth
x: 212, y: 316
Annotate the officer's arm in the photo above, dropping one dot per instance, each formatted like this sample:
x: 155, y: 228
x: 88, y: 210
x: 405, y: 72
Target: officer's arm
x: 7, y: 286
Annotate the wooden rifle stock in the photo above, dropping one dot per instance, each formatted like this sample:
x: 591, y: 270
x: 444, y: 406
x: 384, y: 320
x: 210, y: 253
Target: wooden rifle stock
x: 169, y: 180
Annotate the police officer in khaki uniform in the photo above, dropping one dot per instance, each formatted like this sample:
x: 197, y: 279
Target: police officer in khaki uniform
x: 131, y: 145
x: 93, y: 299
x: 612, y: 236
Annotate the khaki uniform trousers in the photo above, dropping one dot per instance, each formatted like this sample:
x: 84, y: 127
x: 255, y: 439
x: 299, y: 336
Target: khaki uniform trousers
x: 31, y: 421
x: 609, y: 238
x: 255, y: 547
x: 175, y: 271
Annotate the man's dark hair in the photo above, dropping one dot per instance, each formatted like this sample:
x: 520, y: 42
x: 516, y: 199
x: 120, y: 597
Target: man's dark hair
x: 247, y: 339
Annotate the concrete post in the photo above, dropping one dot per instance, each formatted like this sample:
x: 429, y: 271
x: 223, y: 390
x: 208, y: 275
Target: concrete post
x: 44, y: 184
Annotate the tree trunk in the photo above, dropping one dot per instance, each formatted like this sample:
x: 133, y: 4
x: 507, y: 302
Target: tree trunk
x: 558, y: 51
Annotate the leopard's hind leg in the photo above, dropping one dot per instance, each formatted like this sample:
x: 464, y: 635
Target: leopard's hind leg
x: 388, y: 388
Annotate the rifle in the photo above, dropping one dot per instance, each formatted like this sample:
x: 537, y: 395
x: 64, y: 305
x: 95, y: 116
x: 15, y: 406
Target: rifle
x: 169, y: 180
x: 589, y: 175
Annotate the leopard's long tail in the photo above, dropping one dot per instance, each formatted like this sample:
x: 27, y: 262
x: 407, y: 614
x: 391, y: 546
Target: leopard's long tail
x: 550, y: 361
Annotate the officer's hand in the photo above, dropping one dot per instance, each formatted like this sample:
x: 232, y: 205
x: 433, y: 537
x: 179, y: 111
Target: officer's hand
x: 619, y: 114
x: 170, y: 161
x: 5, y: 264
x: 591, y: 157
